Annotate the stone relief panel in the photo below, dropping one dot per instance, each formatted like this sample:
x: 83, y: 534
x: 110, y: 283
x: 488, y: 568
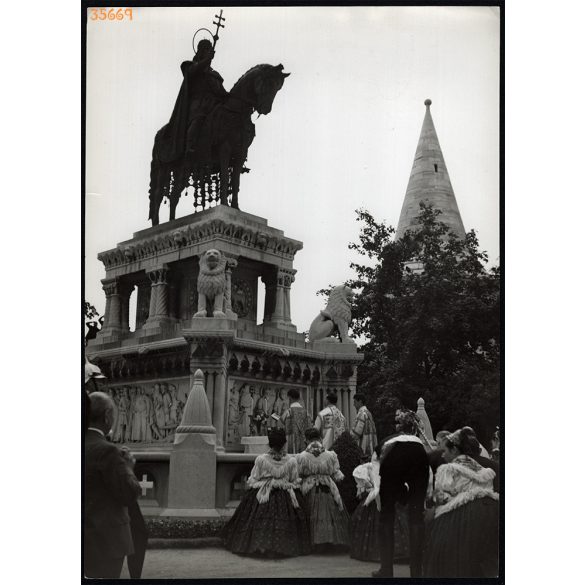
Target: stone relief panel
x: 251, y: 405
x: 242, y: 298
x: 148, y: 412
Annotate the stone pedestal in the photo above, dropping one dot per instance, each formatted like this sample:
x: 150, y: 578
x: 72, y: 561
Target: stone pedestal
x: 255, y: 445
x: 193, y: 459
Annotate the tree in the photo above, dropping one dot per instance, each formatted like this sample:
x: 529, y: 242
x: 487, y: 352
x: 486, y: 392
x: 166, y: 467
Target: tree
x: 429, y: 311
x: 89, y: 311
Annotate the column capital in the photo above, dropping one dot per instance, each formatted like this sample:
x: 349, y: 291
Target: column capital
x: 285, y: 276
x: 158, y: 275
x: 111, y: 286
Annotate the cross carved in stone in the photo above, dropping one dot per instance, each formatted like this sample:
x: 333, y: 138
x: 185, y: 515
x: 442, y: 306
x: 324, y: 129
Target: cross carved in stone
x: 145, y: 484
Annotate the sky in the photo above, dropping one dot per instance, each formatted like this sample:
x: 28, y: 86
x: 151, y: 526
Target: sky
x: 341, y: 135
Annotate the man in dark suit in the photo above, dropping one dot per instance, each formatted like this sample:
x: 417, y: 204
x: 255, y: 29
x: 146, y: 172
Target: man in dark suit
x: 110, y: 487
x: 404, y: 476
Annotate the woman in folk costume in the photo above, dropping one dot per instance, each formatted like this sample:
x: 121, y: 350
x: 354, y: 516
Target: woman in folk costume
x: 366, y: 517
x: 330, y: 422
x: 463, y: 540
x: 269, y: 520
x: 296, y: 421
x: 319, y: 470
x: 364, y: 428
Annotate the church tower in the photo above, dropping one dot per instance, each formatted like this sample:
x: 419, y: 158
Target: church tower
x: 429, y: 182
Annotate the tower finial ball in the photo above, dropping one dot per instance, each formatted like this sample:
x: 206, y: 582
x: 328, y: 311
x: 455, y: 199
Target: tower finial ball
x: 428, y: 102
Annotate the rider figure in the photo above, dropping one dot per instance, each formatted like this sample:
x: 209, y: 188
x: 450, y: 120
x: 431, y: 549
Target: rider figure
x: 201, y: 90
x: 205, y: 89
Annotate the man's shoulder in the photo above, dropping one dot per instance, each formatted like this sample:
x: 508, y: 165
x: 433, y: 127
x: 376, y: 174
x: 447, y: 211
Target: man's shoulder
x: 97, y: 443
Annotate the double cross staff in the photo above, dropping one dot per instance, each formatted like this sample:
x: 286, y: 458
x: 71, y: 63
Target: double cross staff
x: 218, y: 26
x: 215, y: 36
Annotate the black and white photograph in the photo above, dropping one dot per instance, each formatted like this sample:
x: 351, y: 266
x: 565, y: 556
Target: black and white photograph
x: 292, y: 263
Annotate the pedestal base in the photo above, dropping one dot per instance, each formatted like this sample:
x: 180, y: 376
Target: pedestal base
x: 193, y: 513
x: 255, y: 445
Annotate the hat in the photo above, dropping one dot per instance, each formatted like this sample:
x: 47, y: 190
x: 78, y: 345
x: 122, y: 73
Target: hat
x: 92, y: 371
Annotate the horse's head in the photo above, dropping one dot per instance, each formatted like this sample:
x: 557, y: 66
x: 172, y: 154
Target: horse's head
x: 260, y: 85
x: 267, y: 86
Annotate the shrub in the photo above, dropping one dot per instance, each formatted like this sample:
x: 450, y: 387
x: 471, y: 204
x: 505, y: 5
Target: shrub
x: 183, y: 528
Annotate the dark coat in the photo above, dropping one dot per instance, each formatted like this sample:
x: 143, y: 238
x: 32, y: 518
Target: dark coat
x: 436, y: 459
x: 403, y: 463
x: 139, y: 540
x: 110, y: 487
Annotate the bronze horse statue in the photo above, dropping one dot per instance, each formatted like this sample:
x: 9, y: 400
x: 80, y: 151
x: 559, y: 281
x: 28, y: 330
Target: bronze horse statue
x: 213, y: 164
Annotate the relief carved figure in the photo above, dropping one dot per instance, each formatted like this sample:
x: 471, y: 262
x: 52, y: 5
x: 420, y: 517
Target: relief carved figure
x: 211, y: 284
x: 279, y: 406
x: 140, y: 416
x: 234, y: 416
x: 336, y: 316
x: 159, y: 409
x: 174, y: 406
x: 121, y: 432
x: 247, y: 401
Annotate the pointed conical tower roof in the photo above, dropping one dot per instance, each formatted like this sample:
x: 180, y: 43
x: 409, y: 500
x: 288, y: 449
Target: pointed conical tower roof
x: 429, y: 182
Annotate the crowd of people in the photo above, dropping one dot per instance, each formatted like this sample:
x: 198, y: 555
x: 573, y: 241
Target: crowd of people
x: 433, y: 502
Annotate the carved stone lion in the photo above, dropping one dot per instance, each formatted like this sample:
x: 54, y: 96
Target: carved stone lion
x: 336, y: 316
x: 211, y: 284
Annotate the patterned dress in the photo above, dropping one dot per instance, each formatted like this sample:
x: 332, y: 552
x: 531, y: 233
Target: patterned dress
x: 296, y: 422
x: 364, y: 431
x: 463, y: 540
x: 328, y: 518
x: 270, y: 519
x: 331, y: 423
x: 365, y: 519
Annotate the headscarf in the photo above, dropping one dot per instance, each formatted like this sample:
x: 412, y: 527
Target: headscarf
x: 408, y: 420
x: 315, y: 448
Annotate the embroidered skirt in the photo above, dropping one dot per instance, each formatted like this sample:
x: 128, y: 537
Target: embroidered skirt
x: 365, y: 522
x: 364, y: 532
x: 464, y: 542
x: 328, y: 524
x: 275, y: 528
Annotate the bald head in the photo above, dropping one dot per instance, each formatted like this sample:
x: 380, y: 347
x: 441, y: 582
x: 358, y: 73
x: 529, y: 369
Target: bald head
x: 102, y: 411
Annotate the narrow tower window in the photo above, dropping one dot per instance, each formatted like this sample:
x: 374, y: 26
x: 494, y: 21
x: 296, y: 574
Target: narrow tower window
x: 436, y: 168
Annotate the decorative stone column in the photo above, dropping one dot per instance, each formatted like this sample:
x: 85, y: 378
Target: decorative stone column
x: 345, y: 394
x: 209, y: 354
x: 352, y: 410
x: 220, y: 404
x: 277, y: 316
x: 289, y: 278
x: 142, y: 303
x: 269, y: 297
x: 125, y: 292
x: 277, y: 305
x: 112, y: 317
x: 158, y: 313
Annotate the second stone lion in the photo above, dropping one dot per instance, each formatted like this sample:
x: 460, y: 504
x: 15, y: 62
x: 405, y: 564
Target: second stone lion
x: 211, y: 284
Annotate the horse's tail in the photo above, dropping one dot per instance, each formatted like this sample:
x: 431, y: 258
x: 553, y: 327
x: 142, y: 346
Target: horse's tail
x: 155, y: 169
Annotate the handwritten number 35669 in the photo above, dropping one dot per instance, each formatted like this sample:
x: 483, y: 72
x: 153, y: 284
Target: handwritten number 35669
x: 111, y: 14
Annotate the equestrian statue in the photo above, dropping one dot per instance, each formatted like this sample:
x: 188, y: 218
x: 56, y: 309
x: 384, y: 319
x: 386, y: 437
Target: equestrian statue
x: 205, y: 144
